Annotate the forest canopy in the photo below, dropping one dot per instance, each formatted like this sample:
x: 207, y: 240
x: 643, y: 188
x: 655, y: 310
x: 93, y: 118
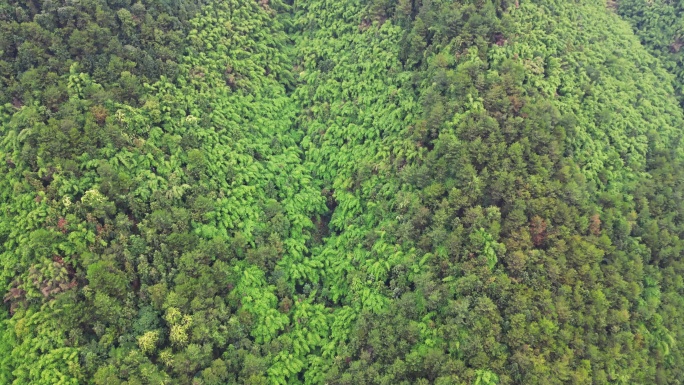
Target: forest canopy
x: 341, y: 192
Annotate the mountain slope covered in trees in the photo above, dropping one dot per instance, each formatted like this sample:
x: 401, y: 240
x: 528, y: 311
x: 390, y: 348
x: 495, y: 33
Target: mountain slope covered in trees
x: 660, y: 27
x: 338, y: 192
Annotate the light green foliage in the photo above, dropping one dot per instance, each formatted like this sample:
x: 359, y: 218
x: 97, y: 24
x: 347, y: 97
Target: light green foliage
x: 485, y: 377
x: 488, y: 250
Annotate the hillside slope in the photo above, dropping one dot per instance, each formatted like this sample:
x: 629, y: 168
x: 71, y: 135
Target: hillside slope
x: 660, y: 27
x: 359, y: 192
x: 510, y: 232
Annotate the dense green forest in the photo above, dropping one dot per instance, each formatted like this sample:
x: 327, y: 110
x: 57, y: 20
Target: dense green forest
x: 660, y: 27
x: 341, y: 192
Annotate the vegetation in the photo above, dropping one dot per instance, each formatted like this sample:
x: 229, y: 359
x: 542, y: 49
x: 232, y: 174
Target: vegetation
x: 659, y: 26
x: 360, y: 192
